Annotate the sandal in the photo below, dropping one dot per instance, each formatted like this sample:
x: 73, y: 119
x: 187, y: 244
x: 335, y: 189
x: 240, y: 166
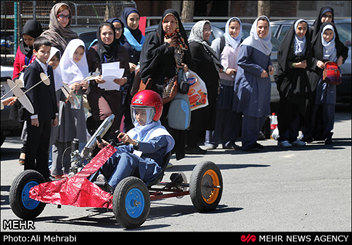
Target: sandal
x: 22, y: 158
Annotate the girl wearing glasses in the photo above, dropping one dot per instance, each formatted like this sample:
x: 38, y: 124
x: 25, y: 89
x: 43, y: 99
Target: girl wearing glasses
x: 207, y: 66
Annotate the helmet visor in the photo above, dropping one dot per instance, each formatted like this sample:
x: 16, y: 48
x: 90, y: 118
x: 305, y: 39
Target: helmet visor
x: 142, y: 115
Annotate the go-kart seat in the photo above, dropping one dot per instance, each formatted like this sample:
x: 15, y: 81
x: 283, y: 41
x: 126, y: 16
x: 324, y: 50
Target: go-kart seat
x: 166, y: 160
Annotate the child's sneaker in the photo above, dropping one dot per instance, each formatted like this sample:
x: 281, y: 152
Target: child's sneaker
x: 298, y: 142
x: 284, y: 144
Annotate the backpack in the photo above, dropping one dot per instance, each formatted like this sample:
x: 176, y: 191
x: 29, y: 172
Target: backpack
x: 179, y: 116
x: 331, y: 73
x: 222, y: 44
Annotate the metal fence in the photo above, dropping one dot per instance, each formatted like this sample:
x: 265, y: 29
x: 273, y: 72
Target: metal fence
x: 84, y: 13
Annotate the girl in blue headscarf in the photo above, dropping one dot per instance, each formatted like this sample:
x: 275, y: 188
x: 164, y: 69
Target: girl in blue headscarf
x: 133, y: 41
x: 252, y: 83
x: 133, y: 38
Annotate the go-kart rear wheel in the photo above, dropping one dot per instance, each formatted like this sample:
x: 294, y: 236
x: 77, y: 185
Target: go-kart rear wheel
x: 23, y: 206
x: 206, y: 186
x: 131, y: 202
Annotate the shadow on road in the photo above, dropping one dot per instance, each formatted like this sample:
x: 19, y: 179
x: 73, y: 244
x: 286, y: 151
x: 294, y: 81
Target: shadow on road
x: 10, y: 154
x: 105, y: 218
x: 97, y: 219
x: 190, y: 167
x: 5, y: 203
x: 162, y: 210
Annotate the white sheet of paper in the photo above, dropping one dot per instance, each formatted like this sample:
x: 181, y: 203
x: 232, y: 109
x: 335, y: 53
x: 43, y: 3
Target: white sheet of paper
x: 111, y: 71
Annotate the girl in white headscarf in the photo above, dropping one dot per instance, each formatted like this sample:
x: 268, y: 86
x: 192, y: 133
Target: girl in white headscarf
x: 252, y: 83
x: 228, y: 122
x: 54, y: 61
x: 257, y: 40
x: 74, y: 66
x: 325, y: 47
x: 294, y: 58
x: 72, y: 124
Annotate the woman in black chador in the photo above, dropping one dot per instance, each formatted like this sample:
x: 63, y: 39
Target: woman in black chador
x: 163, y: 52
x: 326, y: 14
x: 294, y: 58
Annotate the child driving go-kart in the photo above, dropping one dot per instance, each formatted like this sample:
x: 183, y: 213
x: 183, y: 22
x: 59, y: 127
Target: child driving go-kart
x: 124, y: 178
x: 146, y: 144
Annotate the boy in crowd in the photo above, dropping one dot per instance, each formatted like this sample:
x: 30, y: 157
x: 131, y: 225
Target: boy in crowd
x: 43, y: 99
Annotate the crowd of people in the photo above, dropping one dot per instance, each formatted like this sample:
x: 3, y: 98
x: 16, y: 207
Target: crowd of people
x: 236, y: 73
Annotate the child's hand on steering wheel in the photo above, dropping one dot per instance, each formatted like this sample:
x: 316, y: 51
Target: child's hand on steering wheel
x: 125, y: 138
x: 102, y: 144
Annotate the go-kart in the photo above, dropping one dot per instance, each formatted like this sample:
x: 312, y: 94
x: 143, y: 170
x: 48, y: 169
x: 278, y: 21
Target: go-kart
x: 130, y: 201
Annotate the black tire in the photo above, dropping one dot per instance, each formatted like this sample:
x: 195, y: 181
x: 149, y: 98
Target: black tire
x: 24, y: 207
x: 206, y: 186
x: 131, y: 202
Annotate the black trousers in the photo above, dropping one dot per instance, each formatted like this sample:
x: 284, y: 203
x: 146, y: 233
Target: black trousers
x: 37, y: 147
x: 289, y: 120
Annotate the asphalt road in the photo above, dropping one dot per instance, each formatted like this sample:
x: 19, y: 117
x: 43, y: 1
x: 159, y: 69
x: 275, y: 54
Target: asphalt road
x: 298, y: 189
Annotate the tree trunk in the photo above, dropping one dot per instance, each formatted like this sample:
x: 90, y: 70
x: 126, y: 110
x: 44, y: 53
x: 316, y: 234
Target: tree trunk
x: 209, y: 7
x: 109, y: 10
x: 264, y: 8
x: 187, y: 11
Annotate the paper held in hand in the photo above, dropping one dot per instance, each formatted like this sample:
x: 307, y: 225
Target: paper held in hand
x: 111, y: 71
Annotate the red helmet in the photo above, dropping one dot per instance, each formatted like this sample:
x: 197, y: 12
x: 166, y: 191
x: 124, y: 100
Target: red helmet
x: 148, y: 99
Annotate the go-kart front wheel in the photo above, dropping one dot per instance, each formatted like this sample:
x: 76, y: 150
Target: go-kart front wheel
x: 23, y: 206
x: 131, y: 202
x: 206, y: 186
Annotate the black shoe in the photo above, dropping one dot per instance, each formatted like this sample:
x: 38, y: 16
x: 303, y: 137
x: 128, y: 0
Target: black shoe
x: 253, y: 148
x: 307, y: 140
x: 179, y: 155
x: 102, y: 182
x: 261, y: 136
x: 227, y: 147
x: 318, y: 138
x: 328, y: 141
x: 195, y: 150
x: 261, y: 147
x: 231, y: 145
